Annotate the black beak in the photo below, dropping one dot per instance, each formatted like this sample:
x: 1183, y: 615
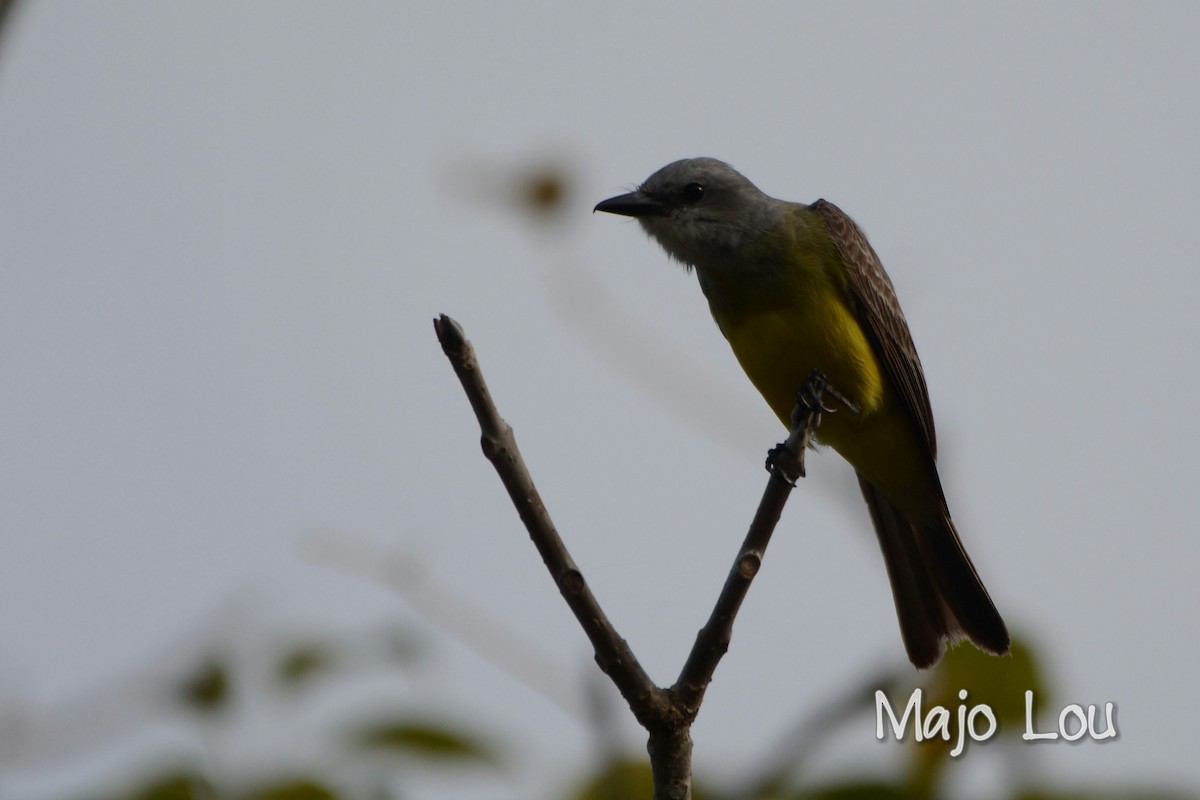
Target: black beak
x: 634, y: 204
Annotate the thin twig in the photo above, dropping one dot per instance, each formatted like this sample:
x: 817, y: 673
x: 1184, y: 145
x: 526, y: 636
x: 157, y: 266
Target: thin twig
x: 500, y: 447
x: 713, y: 640
x: 785, y: 463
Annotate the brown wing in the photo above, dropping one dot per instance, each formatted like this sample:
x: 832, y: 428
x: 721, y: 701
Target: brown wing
x: 879, y: 313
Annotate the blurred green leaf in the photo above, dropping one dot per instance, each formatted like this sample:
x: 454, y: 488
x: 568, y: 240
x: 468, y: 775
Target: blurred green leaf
x: 301, y: 662
x: 207, y: 689
x: 869, y: 790
x: 1109, y: 793
x: 181, y: 785
x: 292, y: 789
x: 999, y: 682
x: 423, y: 740
x: 620, y: 779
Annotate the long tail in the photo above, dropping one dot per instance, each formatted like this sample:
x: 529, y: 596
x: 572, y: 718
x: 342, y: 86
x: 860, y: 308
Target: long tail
x: 937, y: 592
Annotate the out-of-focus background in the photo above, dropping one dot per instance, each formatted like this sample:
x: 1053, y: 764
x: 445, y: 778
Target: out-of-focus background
x: 233, y: 459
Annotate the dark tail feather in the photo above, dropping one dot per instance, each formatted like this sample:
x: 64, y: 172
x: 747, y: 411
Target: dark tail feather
x: 937, y: 592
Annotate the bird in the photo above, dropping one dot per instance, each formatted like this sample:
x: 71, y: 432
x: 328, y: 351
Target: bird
x: 797, y: 289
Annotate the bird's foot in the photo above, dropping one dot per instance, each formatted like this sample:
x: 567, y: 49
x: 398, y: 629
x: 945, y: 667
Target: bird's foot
x: 786, y: 459
x: 811, y: 397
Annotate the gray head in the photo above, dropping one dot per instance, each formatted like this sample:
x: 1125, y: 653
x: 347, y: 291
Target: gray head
x: 700, y: 210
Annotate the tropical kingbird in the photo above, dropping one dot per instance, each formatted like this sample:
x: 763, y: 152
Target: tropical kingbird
x: 796, y: 289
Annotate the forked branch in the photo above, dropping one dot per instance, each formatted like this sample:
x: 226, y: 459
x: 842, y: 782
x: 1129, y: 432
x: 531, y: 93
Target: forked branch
x: 666, y: 714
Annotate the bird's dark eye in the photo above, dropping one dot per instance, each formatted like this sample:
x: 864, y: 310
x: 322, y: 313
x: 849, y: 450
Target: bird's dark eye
x: 693, y: 193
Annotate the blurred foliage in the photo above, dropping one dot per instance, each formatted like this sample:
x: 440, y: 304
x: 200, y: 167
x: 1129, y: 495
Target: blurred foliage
x: 1108, y: 793
x: 866, y: 790
x: 426, y: 740
x: 189, y: 785
x: 207, y: 689
x: 544, y: 190
x: 540, y: 189
x: 999, y: 683
x: 302, y: 662
x: 383, y: 749
x: 628, y: 779
x: 292, y: 789
x: 176, y: 785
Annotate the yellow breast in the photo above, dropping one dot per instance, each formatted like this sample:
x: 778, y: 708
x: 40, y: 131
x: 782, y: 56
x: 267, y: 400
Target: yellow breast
x: 812, y: 329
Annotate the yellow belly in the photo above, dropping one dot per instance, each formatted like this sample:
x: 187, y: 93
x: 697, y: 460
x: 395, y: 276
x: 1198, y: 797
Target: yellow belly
x: 778, y: 348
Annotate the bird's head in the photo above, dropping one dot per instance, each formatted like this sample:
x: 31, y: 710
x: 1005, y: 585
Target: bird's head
x: 701, y: 210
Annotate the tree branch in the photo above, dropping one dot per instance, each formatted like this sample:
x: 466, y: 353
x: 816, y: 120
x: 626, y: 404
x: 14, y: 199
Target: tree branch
x: 713, y: 640
x: 666, y: 714
x: 500, y: 447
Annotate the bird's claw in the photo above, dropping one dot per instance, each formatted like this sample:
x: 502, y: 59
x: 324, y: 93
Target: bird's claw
x: 786, y: 460
x: 812, y: 393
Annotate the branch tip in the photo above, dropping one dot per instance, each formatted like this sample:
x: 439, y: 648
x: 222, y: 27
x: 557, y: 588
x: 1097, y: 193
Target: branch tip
x: 450, y: 334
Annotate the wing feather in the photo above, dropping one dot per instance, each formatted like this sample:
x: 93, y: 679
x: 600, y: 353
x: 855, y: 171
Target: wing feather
x: 878, y: 311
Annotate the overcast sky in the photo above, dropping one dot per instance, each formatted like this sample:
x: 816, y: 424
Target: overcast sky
x: 225, y: 228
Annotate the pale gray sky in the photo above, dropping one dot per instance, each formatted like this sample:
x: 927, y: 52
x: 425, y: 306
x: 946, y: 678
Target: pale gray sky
x: 225, y: 228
